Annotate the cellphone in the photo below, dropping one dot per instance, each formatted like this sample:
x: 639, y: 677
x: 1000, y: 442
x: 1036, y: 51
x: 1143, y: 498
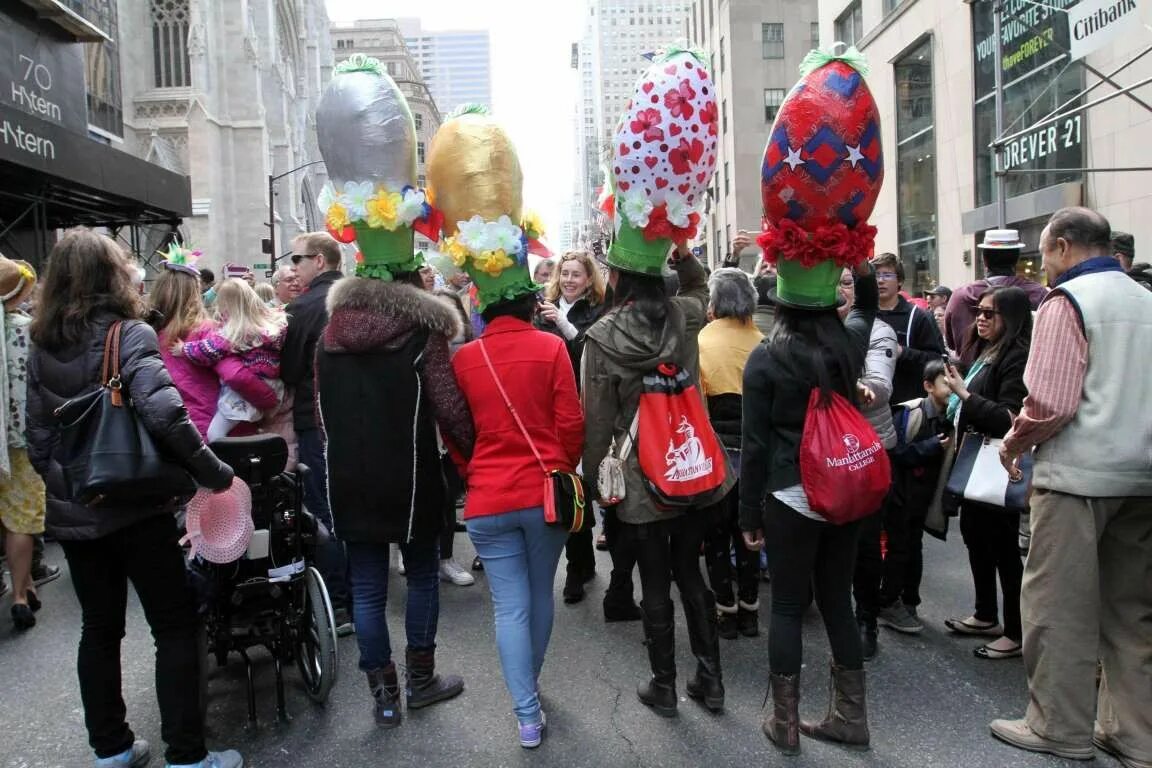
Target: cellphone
x: 946, y: 359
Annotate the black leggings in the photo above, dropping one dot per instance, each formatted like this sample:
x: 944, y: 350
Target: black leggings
x: 722, y: 540
x: 670, y: 550
x: 805, y: 556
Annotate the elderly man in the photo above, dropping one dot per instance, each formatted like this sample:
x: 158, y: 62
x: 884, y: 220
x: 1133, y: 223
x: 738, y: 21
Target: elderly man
x: 285, y: 284
x: 1087, y: 590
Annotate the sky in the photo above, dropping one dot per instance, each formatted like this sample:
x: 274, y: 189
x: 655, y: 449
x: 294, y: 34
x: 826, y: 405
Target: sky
x: 534, y: 88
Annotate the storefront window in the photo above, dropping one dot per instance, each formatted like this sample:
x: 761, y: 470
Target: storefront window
x: 1038, y: 78
x: 102, y: 70
x: 850, y: 24
x: 916, y: 168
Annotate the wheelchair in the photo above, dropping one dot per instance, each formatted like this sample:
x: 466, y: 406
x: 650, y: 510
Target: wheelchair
x: 273, y: 597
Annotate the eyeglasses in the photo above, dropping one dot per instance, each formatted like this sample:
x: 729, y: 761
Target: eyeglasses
x: 847, y: 283
x: 885, y: 275
x: 986, y: 313
x: 298, y: 257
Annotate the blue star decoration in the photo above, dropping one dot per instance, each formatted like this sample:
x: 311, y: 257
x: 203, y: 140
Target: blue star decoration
x: 793, y: 158
x: 854, y: 155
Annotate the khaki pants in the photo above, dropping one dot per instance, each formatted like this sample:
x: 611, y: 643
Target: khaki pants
x: 1087, y: 595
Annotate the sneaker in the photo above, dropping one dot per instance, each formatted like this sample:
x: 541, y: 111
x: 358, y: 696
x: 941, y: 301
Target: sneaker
x: 137, y: 755
x: 533, y: 733
x: 42, y: 573
x: 343, y: 620
x: 897, y: 617
x: 451, y: 571
x: 1019, y: 734
x: 229, y: 758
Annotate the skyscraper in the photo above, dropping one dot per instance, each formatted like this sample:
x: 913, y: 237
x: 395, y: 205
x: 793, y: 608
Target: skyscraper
x: 456, y: 64
x: 611, y: 57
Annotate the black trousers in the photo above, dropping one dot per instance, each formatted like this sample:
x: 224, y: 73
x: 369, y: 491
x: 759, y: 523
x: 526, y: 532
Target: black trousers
x: 146, y: 554
x: 623, y: 553
x: 883, y: 580
x: 668, y: 551
x: 807, y: 557
x: 721, y: 539
x: 454, y: 486
x: 990, y: 533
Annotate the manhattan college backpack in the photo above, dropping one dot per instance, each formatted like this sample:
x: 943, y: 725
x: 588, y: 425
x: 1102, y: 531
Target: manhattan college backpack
x: 843, y: 465
x: 680, y: 457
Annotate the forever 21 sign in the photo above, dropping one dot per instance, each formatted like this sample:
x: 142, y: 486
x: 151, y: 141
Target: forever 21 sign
x: 42, y: 76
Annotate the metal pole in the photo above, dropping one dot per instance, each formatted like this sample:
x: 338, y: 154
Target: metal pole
x: 272, y: 220
x: 997, y: 151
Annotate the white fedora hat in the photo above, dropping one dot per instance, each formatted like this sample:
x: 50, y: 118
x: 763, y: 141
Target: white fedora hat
x: 1001, y: 239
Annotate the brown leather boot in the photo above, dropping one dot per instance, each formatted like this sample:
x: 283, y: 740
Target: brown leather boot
x: 782, y: 727
x: 847, y: 720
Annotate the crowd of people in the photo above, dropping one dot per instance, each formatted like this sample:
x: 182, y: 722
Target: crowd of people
x: 478, y: 394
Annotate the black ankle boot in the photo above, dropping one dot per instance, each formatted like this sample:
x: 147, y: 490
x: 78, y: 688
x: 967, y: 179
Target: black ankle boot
x: 659, y: 693
x: 748, y: 619
x: 726, y: 621
x: 425, y: 687
x: 385, y: 690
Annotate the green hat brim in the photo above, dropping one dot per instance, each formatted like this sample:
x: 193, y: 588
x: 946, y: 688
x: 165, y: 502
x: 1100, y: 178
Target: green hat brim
x: 512, y: 283
x: 632, y: 252
x: 812, y: 288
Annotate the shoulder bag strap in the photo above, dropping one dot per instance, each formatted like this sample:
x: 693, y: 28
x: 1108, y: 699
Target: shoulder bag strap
x: 110, y: 369
x: 511, y: 408
x: 626, y: 443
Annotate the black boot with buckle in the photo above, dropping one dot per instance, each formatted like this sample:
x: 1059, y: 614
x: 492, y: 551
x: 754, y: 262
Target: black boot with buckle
x: 659, y: 693
x: 707, y: 684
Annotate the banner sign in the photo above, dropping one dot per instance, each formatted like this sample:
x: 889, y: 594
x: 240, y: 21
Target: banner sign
x: 1094, y: 23
x: 1032, y: 35
x: 42, y: 75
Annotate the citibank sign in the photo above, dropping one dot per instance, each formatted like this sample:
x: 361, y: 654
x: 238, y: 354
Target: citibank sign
x: 1095, y: 23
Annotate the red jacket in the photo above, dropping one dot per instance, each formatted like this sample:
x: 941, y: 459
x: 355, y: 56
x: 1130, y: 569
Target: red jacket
x: 534, y: 367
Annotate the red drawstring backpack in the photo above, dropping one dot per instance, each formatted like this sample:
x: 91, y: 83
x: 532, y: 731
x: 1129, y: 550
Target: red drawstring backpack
x: 680, y: 456
x: 843, y: 465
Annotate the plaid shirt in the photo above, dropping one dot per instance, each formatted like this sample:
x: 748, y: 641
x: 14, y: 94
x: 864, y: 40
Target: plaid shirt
x: 1057, y: 364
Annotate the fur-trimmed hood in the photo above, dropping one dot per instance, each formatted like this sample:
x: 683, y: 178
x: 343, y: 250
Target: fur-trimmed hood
x: 370, y: 314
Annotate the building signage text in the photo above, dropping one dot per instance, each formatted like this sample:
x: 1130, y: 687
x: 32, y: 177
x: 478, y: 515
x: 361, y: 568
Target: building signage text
x: 42, y: 75
x: 1095, y: 23
x: 1043, y: 142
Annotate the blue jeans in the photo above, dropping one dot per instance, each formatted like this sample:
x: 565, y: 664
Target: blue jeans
x: 520, y: 553
x: 368, y: 567
x: 330, y: 556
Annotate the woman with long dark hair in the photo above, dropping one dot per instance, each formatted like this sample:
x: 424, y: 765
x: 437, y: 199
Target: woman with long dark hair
x: 644, y: 329
x: 87, y: 288
x: 984, y: 403
x: 810, y: 347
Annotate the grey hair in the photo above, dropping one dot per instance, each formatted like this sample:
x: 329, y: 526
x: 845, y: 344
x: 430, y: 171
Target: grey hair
x: 731, y: 293
x: 1082, y: 226
x: 280, y: 274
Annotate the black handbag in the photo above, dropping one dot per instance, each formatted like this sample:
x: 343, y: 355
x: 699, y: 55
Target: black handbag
x: 106, y: 453
x: 566, y: 502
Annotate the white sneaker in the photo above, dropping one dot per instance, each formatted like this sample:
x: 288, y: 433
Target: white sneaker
x: 450, y: 570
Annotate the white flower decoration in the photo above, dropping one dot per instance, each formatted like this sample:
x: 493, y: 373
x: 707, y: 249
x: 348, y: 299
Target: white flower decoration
x: 505, y: 236
x: 636, y: 206
x: 411, y: 207
x: 329, y: 197
x: 357, y: 194
x: 678, y: 209
x: 472, y: 233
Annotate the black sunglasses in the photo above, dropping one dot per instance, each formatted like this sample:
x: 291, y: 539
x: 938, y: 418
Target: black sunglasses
x: 298, y: 257
x: 986, y: 313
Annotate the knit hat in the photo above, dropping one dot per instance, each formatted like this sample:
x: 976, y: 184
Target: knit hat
x: 821, y: 176
x: 17, y: 279
x: 664, y: 156
x: 368, y: 141
x: 219, y: 525
x: 474, y: 180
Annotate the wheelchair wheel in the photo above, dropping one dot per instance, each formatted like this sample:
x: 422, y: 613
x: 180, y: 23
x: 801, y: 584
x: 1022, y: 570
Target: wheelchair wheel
x: 316, y: 654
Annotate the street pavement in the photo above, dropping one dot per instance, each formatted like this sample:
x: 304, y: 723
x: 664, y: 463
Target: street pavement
x: 930, y: 700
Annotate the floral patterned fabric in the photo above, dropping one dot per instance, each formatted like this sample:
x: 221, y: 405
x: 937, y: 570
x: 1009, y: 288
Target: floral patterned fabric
x: 22, y: 502
x: 16, y: 339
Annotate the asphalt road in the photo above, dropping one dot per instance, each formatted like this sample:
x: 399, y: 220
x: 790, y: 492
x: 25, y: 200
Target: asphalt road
x: 930, y: 699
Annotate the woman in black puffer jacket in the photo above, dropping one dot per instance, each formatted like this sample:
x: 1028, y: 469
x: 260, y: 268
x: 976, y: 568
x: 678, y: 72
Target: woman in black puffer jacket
x: 87, y: 287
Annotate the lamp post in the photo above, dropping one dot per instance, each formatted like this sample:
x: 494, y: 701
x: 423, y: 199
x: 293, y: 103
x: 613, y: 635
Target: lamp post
x: 272, y: 208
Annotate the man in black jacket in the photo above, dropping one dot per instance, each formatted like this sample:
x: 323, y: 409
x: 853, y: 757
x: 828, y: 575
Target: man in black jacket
x: 916, y: 330
x: 316, y: 256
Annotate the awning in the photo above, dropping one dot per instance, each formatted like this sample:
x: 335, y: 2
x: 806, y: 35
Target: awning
x: 79, y: 181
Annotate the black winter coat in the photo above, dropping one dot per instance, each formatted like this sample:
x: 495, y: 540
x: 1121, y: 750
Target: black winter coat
x: 776, y: 405
x: 996, y: 394
x: 56, y: 377
x: 920, y: 340
x: 307, y: 318
x: 583, y: 315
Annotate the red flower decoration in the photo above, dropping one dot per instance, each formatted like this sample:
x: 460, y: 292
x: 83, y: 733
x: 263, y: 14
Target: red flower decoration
x: 708, y: 117
x: 345, y: 234
x: 647, y: 122
x: 685, y: 155
x: 659, y: 228
x: 359, y: 257
x: 835, y: 242
x: 678, y: 100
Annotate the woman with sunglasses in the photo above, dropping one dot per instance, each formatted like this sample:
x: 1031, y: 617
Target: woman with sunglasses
x: 985, y: 402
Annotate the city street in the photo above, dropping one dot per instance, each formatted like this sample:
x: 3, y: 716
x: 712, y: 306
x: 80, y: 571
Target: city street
x: 930, y: 700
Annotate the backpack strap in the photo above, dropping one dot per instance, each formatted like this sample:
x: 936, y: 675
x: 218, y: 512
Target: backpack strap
x: 511, y: 408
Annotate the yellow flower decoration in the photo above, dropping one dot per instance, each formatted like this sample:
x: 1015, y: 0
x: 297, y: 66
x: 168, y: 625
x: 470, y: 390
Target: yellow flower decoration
x: 26, y: 273
x: 337, y: 217
x: 456, y: 250
x: 381, y: 209
x: 493, y: 262
x: 532, y: 225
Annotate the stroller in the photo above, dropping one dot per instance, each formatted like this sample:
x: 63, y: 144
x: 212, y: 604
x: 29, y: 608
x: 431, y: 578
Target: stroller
x: 272, y: 597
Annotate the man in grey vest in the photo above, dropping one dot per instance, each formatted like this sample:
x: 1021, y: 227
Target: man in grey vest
x: 1087, y: 590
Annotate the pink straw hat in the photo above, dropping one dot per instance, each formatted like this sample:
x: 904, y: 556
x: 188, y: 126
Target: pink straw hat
x: 219, y: 525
